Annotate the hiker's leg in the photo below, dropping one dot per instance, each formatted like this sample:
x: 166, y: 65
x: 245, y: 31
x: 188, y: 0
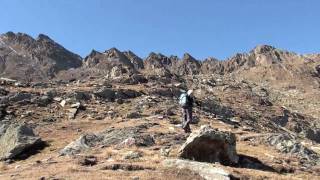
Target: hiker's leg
x: 184, y: 117
x: 189, y: 119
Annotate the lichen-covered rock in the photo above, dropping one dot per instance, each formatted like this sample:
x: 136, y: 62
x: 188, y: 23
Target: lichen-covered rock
x: 15, y: 139
x: 210, y: 145
x: 205, y: 170
x: 83, y: 143
x: 286, y: 144
x: 109, y: 137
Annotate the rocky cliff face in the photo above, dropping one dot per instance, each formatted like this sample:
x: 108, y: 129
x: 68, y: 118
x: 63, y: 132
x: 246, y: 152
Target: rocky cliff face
x: 25, y: 58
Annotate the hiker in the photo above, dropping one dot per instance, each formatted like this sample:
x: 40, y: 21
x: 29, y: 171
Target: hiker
x: 186, y: 102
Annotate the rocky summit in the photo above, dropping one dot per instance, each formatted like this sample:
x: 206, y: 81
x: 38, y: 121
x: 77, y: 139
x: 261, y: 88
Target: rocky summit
x: 115, y: 115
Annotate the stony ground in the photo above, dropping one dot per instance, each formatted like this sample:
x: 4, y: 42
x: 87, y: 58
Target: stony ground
x: 153, y: 110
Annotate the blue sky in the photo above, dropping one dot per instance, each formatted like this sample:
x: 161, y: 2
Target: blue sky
x: 201, y: 27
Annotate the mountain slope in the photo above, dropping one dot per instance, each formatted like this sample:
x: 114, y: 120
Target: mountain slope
x: 28, y: 59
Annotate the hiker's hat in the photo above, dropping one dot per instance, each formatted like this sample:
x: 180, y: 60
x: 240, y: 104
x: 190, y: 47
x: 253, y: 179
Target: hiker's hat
x: 190, y: 92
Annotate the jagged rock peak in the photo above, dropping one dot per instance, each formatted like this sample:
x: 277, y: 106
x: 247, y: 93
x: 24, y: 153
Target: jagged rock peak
x: 93, y: 52
x: 188, y: 57
x: 114, y: 53
x: 113, y: 50
x: 9, y: 34
x: 135, y: 60
x: 43, y: 37
x: 209, y: 59
x: 154, y: 55
x: 17, y: 37
x: 262, y: 49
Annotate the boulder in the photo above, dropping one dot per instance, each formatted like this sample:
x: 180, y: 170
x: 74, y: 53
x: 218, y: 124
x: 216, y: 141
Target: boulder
x: 85, y: 142
x: 105, y: 93
x: 42, y: 101
x: 20, y: 96
x: 120, y: 137
x: 133, y: 115
x: 15, y: 139
x: 132, y: 155
x: 210, y: 145
x: 134, y: 79
x: 205, y: 170
x: 289, y: 145
x: 127, y: 94
x: 167, y: 92
x: 88, y: 161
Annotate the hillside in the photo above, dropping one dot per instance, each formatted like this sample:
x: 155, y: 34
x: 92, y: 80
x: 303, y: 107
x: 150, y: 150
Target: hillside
x: 114, y: 115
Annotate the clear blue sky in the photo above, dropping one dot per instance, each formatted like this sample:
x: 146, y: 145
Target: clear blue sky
x: 201, y: 27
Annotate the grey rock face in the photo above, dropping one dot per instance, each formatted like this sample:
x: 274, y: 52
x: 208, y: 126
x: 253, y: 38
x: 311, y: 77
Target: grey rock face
x: 15, y: 139
x: 286, y: 144
x: 42, y: 100
x: 135, y: 60
x: 21, y: 96
x: 83, y: 143
x: 105, y: 93
x: 210, y: 145
x: 205, y: 170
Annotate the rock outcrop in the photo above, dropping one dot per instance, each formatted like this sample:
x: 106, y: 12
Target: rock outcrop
x: 131, y: 136
x: 15, y: 139
x: 210, y: 145
x: 289, y: 145
x: 205, y: 170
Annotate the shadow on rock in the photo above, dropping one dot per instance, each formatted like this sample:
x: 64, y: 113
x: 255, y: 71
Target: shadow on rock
x: 35, y: 149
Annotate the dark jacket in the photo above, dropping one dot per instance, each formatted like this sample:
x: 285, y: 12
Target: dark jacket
x: 189, y: 102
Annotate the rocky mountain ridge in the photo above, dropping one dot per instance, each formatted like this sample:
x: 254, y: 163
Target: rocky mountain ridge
x: 51, y: 58
x: 114, y: 115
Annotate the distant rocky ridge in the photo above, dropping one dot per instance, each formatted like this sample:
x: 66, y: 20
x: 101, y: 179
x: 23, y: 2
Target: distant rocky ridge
x: 28, y: 59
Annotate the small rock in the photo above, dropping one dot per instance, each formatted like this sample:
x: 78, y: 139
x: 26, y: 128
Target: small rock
x: 88, y: 161
x: 133, y: 115
x: 58, y: 99
x: 75, y: 105
x: 165, y: 151
x: 63, y: 103
x: 72, y: 113
x: 132, y: 155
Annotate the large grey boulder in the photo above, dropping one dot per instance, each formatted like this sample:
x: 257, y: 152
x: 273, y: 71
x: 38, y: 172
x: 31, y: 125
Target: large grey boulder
x: 15, y: 139
x: 210, y: 145
x: 205, y: 170
x: 127, y: 136
x: 85, y: 142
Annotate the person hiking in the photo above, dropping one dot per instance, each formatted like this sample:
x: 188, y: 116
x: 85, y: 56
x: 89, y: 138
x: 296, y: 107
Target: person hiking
x: 186, y: 102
